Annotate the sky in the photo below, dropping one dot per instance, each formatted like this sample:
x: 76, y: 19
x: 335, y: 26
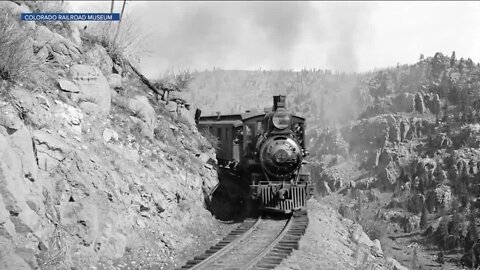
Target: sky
x: 341, y: 36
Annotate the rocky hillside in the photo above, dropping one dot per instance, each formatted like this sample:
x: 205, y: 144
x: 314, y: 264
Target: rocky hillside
x: 95, y: 170
x: 412, y: 157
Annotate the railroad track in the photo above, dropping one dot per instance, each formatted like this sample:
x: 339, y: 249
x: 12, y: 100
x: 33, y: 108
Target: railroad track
x: 255, y: 244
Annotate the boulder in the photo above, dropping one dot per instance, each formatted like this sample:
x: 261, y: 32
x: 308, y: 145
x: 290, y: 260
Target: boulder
x: 98, y: 56
x: 395, y: 264
x: 419, y: 104
x: 114, y: 80
x: 23, y: 97
x: 43, y: 53
x: 70, y: 117
x: 90, y: 108
x: 359, y: 237
x: 93, y: 86
x: 67, y: 86
x: 4, y: 214
x: 171, y: 107
x: 51, y: 151
x: 109, y: 134
x: 17, y: 217
x: 42, y: 101
x: 23, y: 146
x: 141, y: 107
x: 387, y: 169
x: 206, y: 158
x: 186, y: 115
x: 377, y: 247
x: 35, y: 106
x: 61, y: 49
x: 14, y: 262
x: 75, y: 34
x: 9, y: 118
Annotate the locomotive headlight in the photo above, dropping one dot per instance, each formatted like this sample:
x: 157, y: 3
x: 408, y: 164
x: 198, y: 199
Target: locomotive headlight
x: 281, y: 120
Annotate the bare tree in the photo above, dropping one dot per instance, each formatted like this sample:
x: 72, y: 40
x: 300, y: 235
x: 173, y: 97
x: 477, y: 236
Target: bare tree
x: 124, y: 43
x: 120, y: 22
x: 123, y: 8
x: 172, y: 81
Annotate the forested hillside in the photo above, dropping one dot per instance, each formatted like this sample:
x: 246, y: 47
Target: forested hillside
x: 399, y: 144
x: 314, y: 93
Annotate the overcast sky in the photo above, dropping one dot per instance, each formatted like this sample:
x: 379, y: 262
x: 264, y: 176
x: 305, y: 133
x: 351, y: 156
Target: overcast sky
x: 344, y: 36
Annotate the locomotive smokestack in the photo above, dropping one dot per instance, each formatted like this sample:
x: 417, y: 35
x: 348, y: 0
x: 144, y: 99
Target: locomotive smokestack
x: 279, y: 103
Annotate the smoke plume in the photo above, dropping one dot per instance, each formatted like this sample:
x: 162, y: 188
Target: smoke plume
x: 249, y: 35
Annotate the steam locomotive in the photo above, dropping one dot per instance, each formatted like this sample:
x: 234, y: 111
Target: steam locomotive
x: 267, y: 151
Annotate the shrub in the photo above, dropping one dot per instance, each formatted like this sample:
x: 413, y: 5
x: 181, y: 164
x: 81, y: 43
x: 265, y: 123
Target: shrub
x: 46, y: 6
x: 123, y: 41
x: 177, y: 81
x: 174, y: 82
x: 16, y: 51
x: 43, y: 6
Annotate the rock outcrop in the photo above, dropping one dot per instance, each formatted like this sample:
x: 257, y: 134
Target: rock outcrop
x: 404, y: 102
x: 52, y: 45
x: 144, y: 113
x: 93, y: 88
x: 98, y: 57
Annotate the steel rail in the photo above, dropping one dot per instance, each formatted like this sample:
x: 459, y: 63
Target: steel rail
x: 227, y: 248
x: 267, y: 249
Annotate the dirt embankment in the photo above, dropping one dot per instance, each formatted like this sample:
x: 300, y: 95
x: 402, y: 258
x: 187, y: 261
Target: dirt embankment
x: 334, y: 242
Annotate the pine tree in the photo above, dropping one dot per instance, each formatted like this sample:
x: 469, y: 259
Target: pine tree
x: 473, y: 226
x: 415, y: 264
x: 424, y: 218
x: 472, y: 237
x: 456, y: 228
x: 436, y: 106
x: 421, y: 186
x: 442, y: 232
x: 452, y: 59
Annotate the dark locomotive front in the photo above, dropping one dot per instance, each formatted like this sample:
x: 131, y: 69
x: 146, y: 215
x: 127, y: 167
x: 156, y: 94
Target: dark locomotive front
x: 266, y: 150
x: 283, y: 184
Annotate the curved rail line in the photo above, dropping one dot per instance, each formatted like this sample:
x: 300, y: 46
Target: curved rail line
x: 260, y: 244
